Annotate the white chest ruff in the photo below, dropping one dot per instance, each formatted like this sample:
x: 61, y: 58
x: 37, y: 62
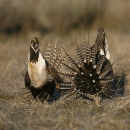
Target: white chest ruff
x: 37, y: 72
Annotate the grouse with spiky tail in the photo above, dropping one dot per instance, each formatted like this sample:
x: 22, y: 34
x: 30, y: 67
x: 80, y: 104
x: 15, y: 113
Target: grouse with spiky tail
x: 41, y: 77
x: 101, y: 44
x: 90, y: 75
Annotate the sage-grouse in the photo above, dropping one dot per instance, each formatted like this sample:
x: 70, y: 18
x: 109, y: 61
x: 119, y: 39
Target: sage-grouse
x: 41, y: 77
x: 101, y: 44
x: 89, y: 75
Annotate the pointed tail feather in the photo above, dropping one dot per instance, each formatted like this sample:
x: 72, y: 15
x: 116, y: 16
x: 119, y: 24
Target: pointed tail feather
x: 67, y: 76
x: 105, y: 71
x: 100, y: 64
x: 70, y: 69
x: 67, y: 85
x: 93, y: 56
x: 48, y: 51
x: 79, y: 56
x: 86, y: 52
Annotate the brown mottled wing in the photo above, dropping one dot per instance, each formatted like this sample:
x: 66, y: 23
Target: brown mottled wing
x: 53, y: 72
x: 27, y: 80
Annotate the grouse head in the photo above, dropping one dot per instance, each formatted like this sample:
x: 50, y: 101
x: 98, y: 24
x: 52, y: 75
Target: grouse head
x: 35, y: 44
x: 101, y: 44
x: 100, y: 36
x: 34, y: 50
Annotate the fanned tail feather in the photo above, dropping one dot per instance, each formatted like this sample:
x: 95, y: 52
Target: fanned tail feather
x: 53, y: 55
x: 48, y: 51
x: 86, y: 52
x: 79, y: 56
x: 100, y: 64
x: 67, y: 84
x: 93, y: 56
x: 70, y: 69
x: 72, y: 62
x: 106, y: 81
x: 106, y: 71
x: 59, y: 58
x: 68, y: 76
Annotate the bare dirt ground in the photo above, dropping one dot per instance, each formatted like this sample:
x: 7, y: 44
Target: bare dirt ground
x: 17, y: 112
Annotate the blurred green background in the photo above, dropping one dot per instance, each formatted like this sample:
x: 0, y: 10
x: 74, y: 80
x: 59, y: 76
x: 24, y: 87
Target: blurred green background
x: 63, y: 16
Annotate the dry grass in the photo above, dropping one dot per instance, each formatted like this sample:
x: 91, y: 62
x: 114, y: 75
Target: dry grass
x: 19, y: 113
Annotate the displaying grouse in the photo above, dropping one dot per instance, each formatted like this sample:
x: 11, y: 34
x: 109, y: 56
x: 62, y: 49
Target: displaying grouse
x: 41, y: 77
